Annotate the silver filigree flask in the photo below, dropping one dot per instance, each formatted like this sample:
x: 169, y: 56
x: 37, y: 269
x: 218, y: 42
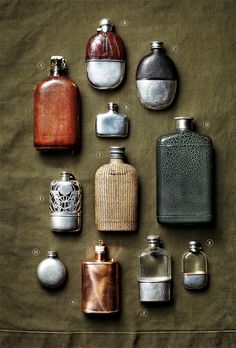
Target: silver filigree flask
x: 65, y: 204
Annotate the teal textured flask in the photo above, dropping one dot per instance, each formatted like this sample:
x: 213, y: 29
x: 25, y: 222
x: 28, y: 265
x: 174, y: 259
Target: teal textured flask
x: 184, y: 175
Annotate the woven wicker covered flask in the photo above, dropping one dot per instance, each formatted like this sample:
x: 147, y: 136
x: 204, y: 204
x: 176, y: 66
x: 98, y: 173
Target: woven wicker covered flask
x: 116, y: 194
x: 100, y: 283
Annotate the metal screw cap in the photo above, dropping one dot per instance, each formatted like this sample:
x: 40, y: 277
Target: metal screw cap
x: 112, y: 106
x: 183, y: 123
x: 157, y: 44
x: 59, y: 60
x: 153, y: 238
x: 195, y: 245
x: 117, y: 151
x: 65, y: 176
x: 52, y: 253
x: 105, y: 21
x: 101, y: 248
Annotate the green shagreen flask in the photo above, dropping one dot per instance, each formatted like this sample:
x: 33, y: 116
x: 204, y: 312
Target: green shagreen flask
x: 184, y: 175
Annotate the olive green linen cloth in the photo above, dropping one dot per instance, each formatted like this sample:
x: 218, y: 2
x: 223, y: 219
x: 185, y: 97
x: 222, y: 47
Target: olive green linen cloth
x: 200, y: 38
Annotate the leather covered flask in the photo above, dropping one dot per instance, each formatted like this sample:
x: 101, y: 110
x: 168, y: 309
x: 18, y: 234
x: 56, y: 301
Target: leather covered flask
x: 100, y: 283
x: 56, y: 110
x: 184, y: 175
x: 156, y: 78
x: 105, y: 57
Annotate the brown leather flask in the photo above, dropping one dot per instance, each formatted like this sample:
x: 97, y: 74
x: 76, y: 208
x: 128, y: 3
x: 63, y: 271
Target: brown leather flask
x: 56, y: 110
x: 100, y: 283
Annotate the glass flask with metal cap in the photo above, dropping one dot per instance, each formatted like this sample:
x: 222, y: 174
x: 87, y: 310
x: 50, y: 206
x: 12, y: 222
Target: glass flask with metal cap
x: 156, y: 78
x: 111, y: 123
x: 116, y: 194
x: 184, y: 175
x: 195, y: 268
x: 105, y: 57
x: 65, y: 204
x: 154, y: 272
x: 51, y: 272
x: 100, y: 283
x: 56, y: 110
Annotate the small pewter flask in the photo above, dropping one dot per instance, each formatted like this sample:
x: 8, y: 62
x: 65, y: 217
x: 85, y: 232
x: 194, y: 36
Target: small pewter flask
x: 65, y: 204
x: 111, y: 123
x: 154, y: 272
x: 51, y: 272
x: 195, y: 268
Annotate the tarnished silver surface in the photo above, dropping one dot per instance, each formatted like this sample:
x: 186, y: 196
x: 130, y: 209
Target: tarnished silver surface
x: 105, y: 74
x: 156, y: 94
x: 195, y: 281
x: 65, y: 204
x: 51, y: 272
x: 111, y: 123
x: 154, y: 292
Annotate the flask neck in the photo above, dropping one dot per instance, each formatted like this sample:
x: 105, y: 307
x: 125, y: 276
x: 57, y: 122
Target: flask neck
x: 153, y: 245
x: 56, y: 70
x: 100, y: 252
x: 116, y: 160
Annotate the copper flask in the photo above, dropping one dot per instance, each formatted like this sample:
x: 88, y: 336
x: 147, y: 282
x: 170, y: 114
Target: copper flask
x: 100, y: 283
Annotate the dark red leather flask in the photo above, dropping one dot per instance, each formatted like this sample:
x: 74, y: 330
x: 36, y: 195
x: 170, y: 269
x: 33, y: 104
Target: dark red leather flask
x: 105, y: 57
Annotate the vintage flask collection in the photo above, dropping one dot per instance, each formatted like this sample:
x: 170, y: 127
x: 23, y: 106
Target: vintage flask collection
x: 156, y: 78
x: 116, y: 194
x: 154, y: 272
x: 184, y: 175
x: 56, y: 110
x: 65, y: 204
x: 100, y: 283
x: 195, y: 268
x: 111, y: 123
x: 105, y: 57
x: 51, y: 272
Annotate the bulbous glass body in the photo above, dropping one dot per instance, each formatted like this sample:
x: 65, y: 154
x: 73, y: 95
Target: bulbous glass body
x: 195, y: 268
x: 154, y: 272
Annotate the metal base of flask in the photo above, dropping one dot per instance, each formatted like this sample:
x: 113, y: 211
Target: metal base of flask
x: 156, y: 94
x: 65, y: 223
x: 154, y: 292
x: 105, y: 74
x: 195, y: 281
